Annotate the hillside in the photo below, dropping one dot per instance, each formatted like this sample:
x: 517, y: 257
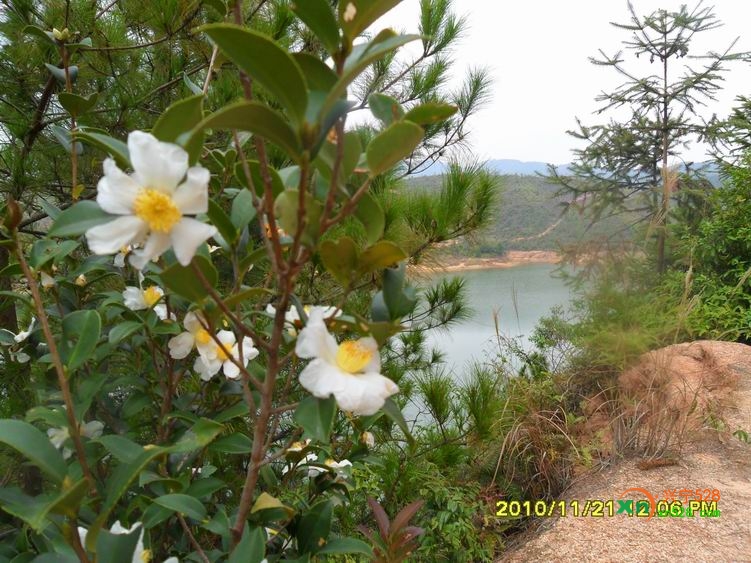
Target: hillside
x: 528, y: 217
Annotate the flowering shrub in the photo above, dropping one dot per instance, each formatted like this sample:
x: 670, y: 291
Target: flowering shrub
x: 182, y: 406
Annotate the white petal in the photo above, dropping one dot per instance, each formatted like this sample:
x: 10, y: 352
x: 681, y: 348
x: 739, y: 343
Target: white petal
x: 116, y: 191
x: 92, y: 429
x: 192, y: 322
x: 133, y: 298
x: 22, y: 357
x: 172, y: 560
x: 181, y: 345
x: 187, y: 236
x: 374, y: 365
x: 161, y: 311
x: 231, y: 371
x: 315, y: 341
x: 206, y: 368
x: 322, y: 379
x: 159, y: 166
x: 119, y: 261
x: 155, y: 246
x: 111, y: 237
x: 57, y: 436
x: 365, y: 394
x: 271, y: 310
x: 192, y: 196
x: 249, y: 351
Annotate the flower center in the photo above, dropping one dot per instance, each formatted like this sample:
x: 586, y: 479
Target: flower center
x: 203, y: 336
x: 221, y: 354
x: 157, y: 209
x: 146, y: 556
x: 352, y: 356
x: 151, y: 295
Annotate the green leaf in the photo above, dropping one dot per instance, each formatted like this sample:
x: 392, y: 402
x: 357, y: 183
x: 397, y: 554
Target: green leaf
x: 45, y: 251
x: 351, y: 156
x: 341, y: 258
x: 365, y: 12
x: 117, y: 485
x: 347, y: 545
x: 361, y: 58
x: 319, y: 17
x: 243, y: 211
x: 69, y: 500
x: 38, y: 32
x: 114, y: 147
x: 247, y: 294
x: 64, y: 137
x: 265, y: 62
x: 175, y: 125
x: 316, y: 416
x: 381, y: 255
x: 235, y: 443
x: 393, y: 144
x: 400, y: 302
x: 32, y: 510
x: 370, y: 214
x: 122, y: 448
x: 220, y: 220
x: 204, y: 487
x: 314, y: 528
x: 78, y: 219
x: 395, y: 414
x: 385, y: 108
x: 124, y: 330
x: 52, y: 211
x: 317, y: 74
x: 77, y: 105
x: 286, y: 209
x: 277, y: 186
x: 119, y: 548
x: 183, y: 281
x: 200, y: 435
x: 252, y: 546
x: 259, y: 120
x: 192, y: 86
x: 427, y: 114
x: 35, y: 446
x: 81, y: 331
x: 184, y: 504
x: 59, y: 73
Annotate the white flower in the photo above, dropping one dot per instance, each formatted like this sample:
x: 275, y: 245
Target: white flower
x: 47, y: 280
x: 81, y: 281
x: 138, y: 299
x: 58, y: 436
x: 194, y: 336
x: 331, y: 464
x: 350, y: 371
x: 119, y: 260
x: 219, y: 357
x: 350, y: 12
x: 24, y: 334
x: 140, y: 555
x: 298, y: 446
x: 311, y: 457
x: 152, y: 203
x: 292, y: 316
x: 368, y: 439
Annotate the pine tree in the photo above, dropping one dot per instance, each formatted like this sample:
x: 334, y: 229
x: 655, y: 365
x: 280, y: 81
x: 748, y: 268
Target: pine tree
x: 624, y: 166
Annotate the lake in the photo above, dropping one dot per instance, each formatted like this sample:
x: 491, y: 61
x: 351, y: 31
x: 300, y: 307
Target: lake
x: 520, y: 296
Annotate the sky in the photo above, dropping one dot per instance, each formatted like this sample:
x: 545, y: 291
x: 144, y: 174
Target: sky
x: 537, y: 52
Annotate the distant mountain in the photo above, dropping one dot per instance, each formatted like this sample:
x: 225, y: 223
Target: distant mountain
x: 502, y: 167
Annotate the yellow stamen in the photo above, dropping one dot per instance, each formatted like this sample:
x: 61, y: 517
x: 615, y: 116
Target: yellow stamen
x: 221, y: 353
x: 151, y: 295
x: 352, y: 356
x: 202, y: 336
x: 146, y: 556
x: 157, y: 209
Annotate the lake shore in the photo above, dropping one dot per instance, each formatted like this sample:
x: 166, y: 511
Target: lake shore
x: 509, y: 260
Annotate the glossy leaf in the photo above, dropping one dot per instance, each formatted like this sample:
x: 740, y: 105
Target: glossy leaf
x: 277, y: 186
x: 123, y: 449
x: 223, y: 223
x: 393, y: 144
x: 45, y: 251
x: 385, y: 108
x: 257, y: 119
x: 78, y: 219
x: 236, y: 443
x: 81, y: 332
x: 319, y: 18
x: 265, y: 62
x: 286, y: 208
x: 392, y: 411
x: 123, y: 330
x: 252, y: 547
x: 370, y: 214
x: 427, y: 114
x: 316, y: 416
x: 64, y: 137
x: 183, y: 280
x: 356, y: 16
x: 177, y: 122
x: 346, y: 545
x: 119, y: 548
x: 184, y: 504
x: 317, y: 74
x: 35, y: 446
x: 201, y: 434
x: 243, y: 211
x: 77, y: 105
x: 381, y: 255
x: 59, y: 73
x: 314, y: 528
x: 341, y: 259
x: 114, y: 147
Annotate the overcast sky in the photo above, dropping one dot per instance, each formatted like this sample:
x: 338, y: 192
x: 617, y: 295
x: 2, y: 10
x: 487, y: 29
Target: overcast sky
x: 537, y: 53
